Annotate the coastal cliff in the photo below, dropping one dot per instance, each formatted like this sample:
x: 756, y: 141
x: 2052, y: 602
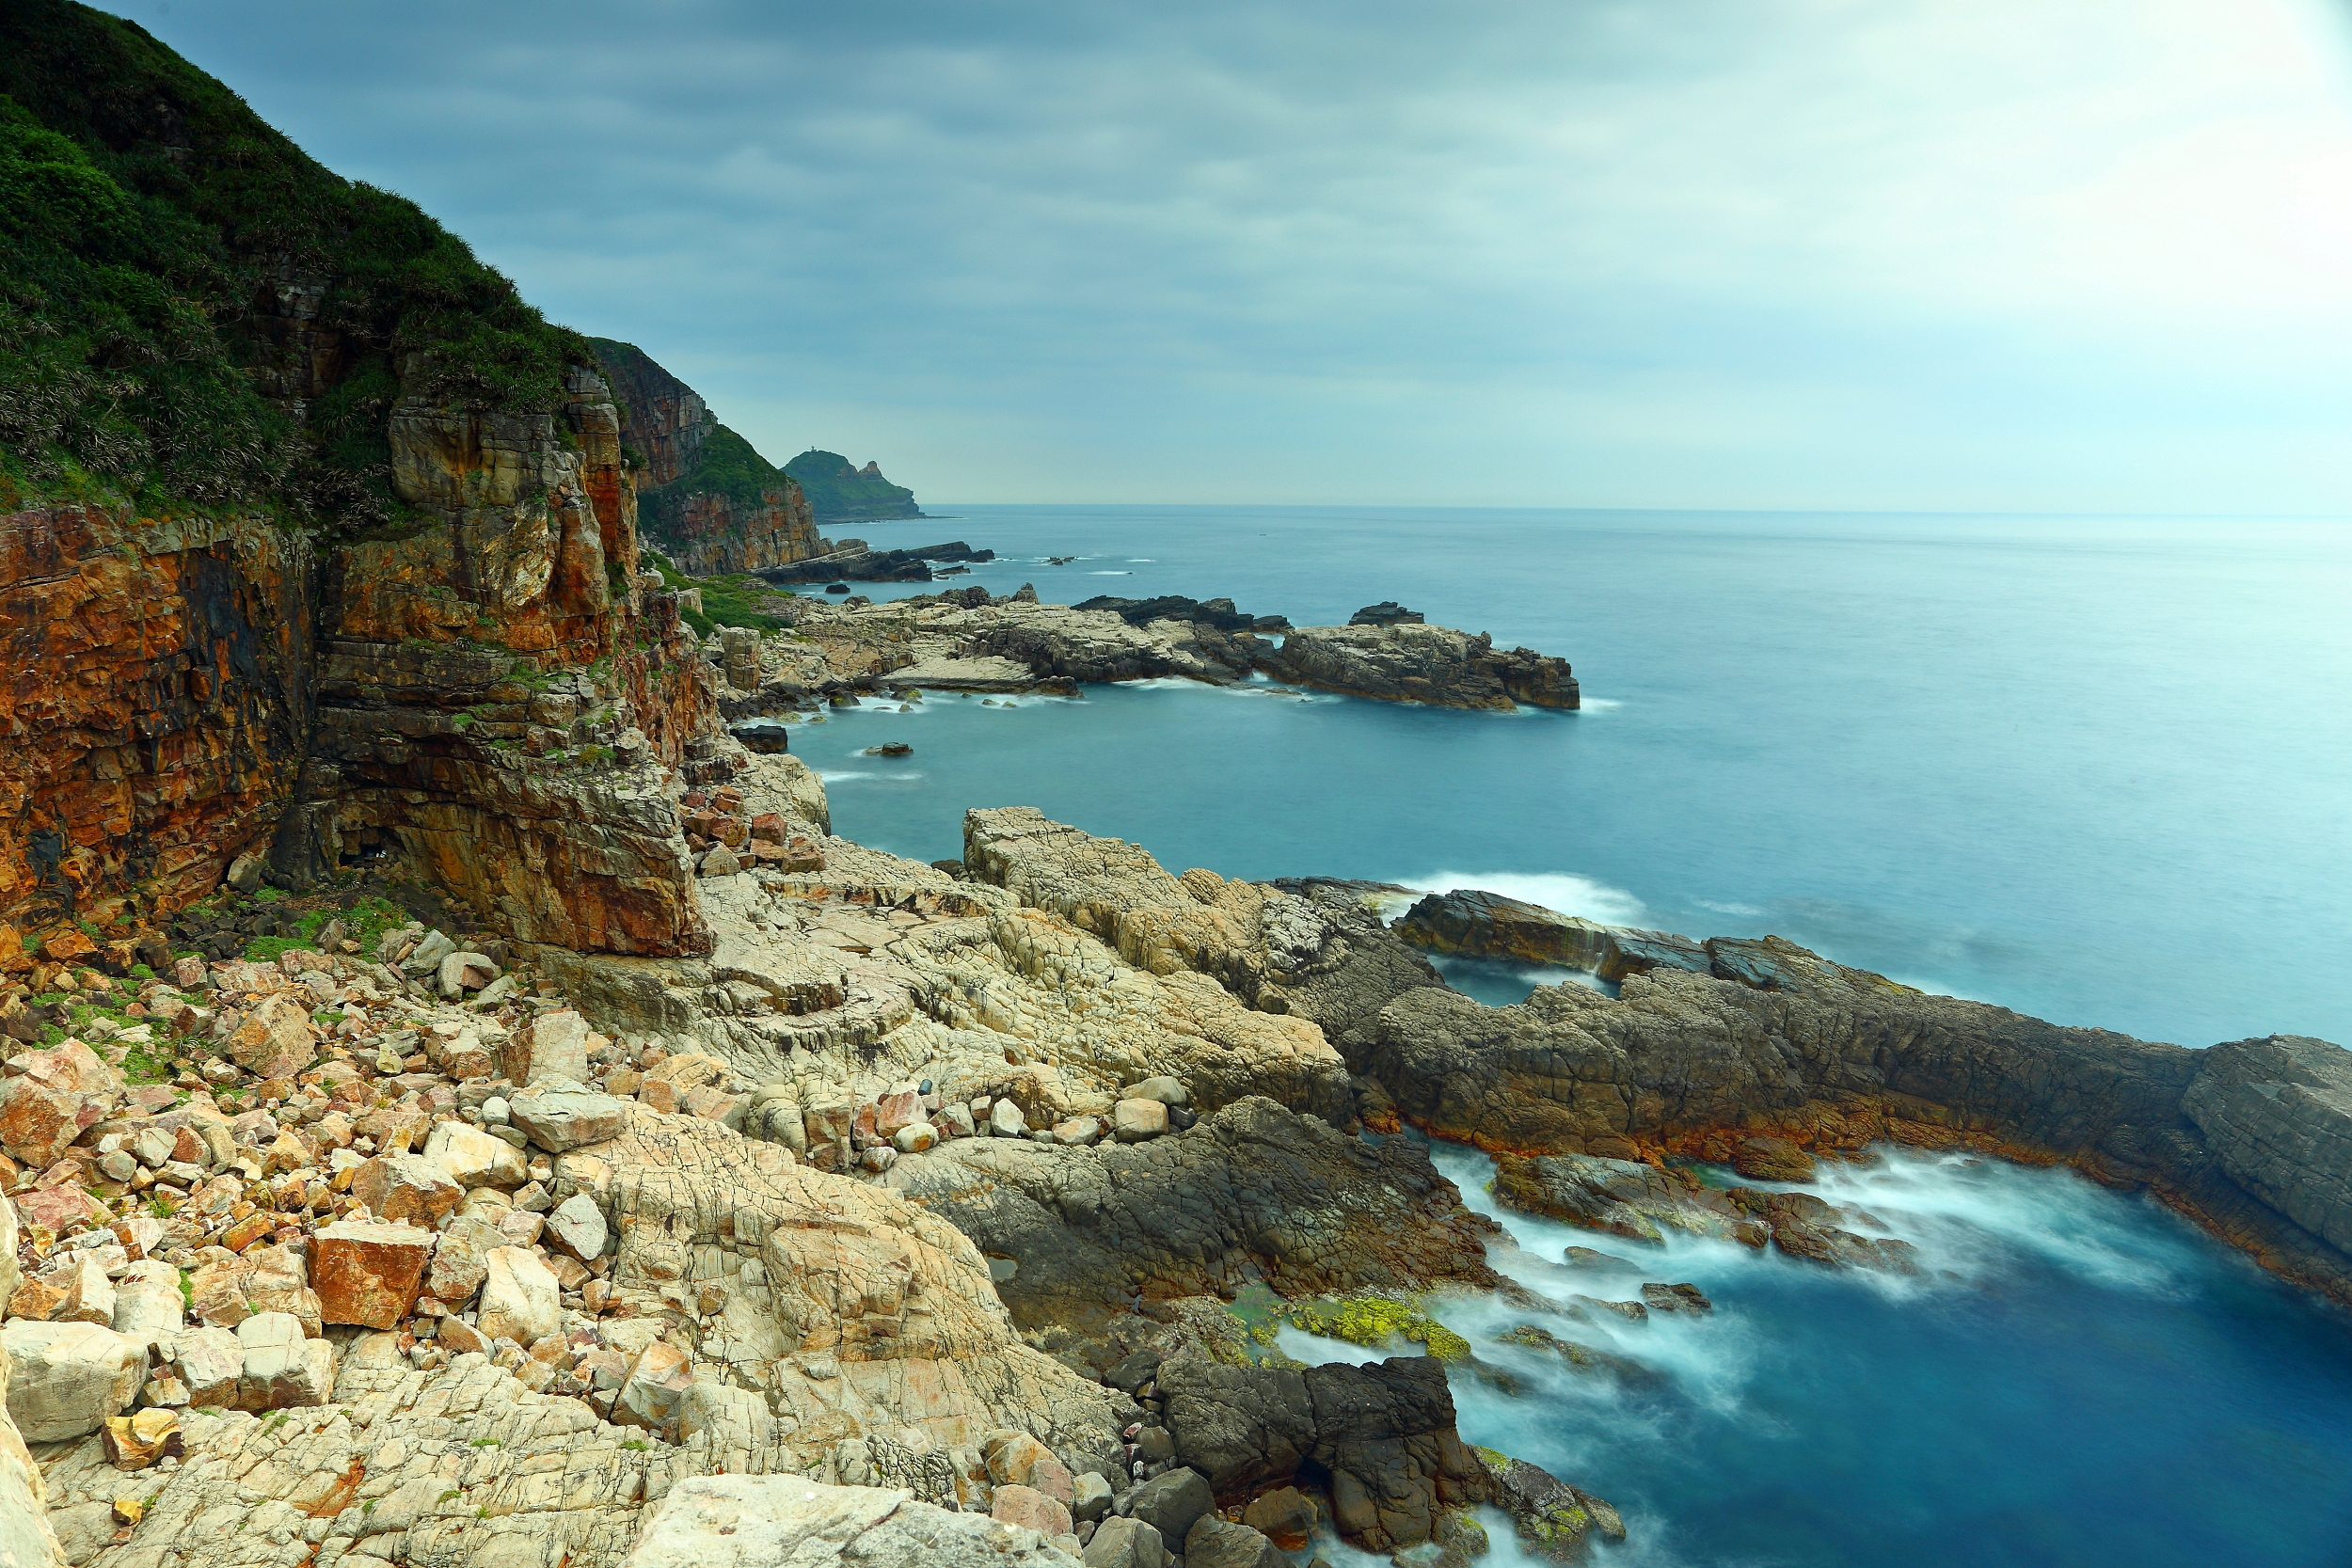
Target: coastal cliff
x: 354, y: 577
x: 705, y: 499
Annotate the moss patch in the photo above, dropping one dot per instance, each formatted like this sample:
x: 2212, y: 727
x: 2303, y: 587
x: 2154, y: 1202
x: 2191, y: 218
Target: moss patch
x: 1376, y: 1321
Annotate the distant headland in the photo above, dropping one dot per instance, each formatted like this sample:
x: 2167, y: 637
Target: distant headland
x: 843, y: 493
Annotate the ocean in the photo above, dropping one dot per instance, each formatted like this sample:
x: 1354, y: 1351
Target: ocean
x: 2093, y: 769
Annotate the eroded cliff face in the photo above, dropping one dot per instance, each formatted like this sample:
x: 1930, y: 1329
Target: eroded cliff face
x: 709, y: 535
x: 494, y: 696
x: 157, y: 698
x: 710, y: 503
x: 501, y: 695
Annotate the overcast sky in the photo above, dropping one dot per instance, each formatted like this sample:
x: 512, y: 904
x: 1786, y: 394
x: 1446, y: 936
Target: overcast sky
x: 2091, y: 255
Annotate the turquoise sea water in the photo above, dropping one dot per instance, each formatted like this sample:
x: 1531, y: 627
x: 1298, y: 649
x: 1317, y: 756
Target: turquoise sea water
x: 2095, y: 770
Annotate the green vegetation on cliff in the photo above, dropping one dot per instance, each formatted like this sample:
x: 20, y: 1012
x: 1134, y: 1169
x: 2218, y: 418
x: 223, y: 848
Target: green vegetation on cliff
x: 735, y: 600
x: 176, y: 277
x: 682, y: 450
x: 840, y: 493
x: 724, y: 465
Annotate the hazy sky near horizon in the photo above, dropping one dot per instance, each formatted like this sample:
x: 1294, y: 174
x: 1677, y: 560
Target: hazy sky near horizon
x: 1909, y: 254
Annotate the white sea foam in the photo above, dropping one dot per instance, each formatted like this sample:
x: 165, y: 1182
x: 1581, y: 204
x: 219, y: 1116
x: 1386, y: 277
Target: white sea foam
x: 1108, y: 574
x: 1562, y: 891
x: 1599, y: 704
x: 850, y: 775
x: 1738, y: 912
x: 1530, y: 976
x: 1251, y: 688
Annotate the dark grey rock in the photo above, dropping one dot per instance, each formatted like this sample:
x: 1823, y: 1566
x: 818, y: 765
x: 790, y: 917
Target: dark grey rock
x: 1173, y: 1502
x: 1214, y: 1542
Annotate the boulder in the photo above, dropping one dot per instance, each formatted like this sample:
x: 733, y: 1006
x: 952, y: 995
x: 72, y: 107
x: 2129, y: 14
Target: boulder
x: 577, y: 1227
x: 427, y: 956
x: 284, y: 1367
x: 368, y: 1271
x: 474, y: 1158
x: 461, y: 1259
x: 1214, y: 1542
x: 277, y: 1039
x: 560, y: 1116
x: 134, y: 1442
x: 1384, y: 1434
x: 1090, y: 1498
x: 1166, y: 1090
x: 463, y: 972
x: 66, y: 1379
x: 148, y: 1304
x: 209, y: 1362
x: 761, y: 1521
x: 897, y: 1110
x: 1771, y: 1159
x: 89, y: 1295
x: 651, y: 1393
x: 1134, y: 1120
x: 262, y: 1279
x: 1007, y: 1120
x: 553, y: 1045
x: 1171, y: 1503
x: 1123, y: 1541
x: 61, y: 1093
x: 1284, y: 1516
x: 62, y: 1208
x: 1078, y: 1131
x: 406, y: 1187
x: 1030, y: 1508
x: 520, y: 1298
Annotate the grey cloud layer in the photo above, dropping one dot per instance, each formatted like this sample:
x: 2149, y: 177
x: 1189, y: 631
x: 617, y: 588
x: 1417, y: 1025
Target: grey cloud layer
x: 1709, y: 252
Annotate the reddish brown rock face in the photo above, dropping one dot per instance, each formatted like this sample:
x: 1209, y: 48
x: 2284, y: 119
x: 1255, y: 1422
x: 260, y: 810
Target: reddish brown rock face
x: 491, y: 698
x: 154, y: 705
x: 368, y: 1273
x: 712, y: 534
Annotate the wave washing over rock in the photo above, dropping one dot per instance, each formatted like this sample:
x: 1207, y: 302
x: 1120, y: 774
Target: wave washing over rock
x: 466, y: 1107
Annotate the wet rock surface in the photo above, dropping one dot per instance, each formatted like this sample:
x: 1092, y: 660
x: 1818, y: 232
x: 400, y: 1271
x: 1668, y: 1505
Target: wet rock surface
x: 1774, y: 1055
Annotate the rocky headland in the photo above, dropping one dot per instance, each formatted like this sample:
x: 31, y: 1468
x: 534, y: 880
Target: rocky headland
x: 463, y: 1106
x: 841, y: 492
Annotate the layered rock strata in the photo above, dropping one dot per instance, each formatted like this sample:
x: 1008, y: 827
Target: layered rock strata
x: 159, y: 694
x: 492, y: 697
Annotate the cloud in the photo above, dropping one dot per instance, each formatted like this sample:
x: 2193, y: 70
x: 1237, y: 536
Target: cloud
x: 1941, y: 254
